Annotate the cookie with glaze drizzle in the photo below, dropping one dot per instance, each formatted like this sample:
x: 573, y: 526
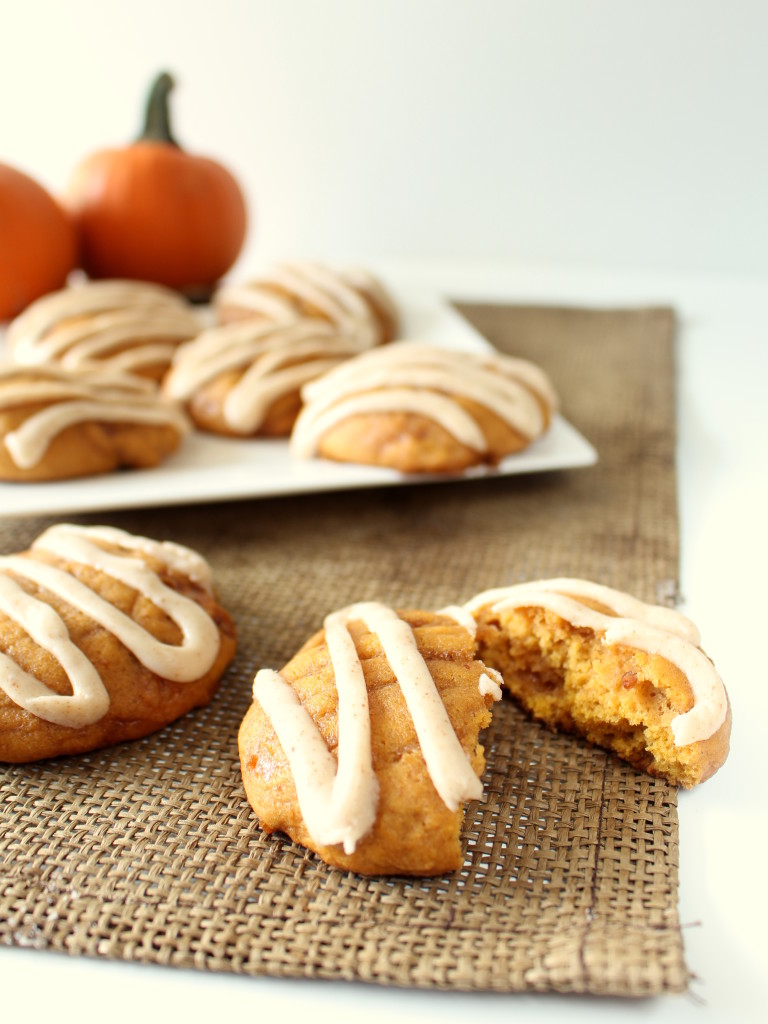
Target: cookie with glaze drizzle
x: 365, y: 746
x: 104, y: 637
x: 352, y: 300
x: 56, y: 424
x: 421, y: 408
x: 121, y: 326
x: 244, y: 379
x: 594, y: 661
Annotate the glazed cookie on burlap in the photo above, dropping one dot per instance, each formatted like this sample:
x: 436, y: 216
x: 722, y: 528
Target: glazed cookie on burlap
x: 353, y: 300
x: 56, y: 424
x: 420, y: 408
x: 594, y: 661
x: 244, y: 379
x: 365, y: 746
x: 117, y: 325
x: 104, y: 637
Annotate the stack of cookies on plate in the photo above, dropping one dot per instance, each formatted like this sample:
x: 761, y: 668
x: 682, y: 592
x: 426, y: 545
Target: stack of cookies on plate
x: 114, y: 374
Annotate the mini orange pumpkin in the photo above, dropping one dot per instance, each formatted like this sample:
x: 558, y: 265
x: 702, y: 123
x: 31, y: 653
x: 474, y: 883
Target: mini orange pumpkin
x: 38, y: 243
x: 150, y: 211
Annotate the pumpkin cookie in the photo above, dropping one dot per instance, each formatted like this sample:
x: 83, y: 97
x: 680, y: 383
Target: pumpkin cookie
x: 244, y: 379
x: 625, y: 675
x: 419, y: 408
x: 104, y: 637
x: 56, y: 424
x: 365, y: 746
x: 352, y: 300
x: 117, y: 325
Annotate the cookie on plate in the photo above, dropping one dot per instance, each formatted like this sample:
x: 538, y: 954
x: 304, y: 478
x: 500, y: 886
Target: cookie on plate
x: 117, y: 325
x: 594, y: 661
x: 421, y: 408
x: 104, y: 637
x: 244, y: 379
x: 57, y: 424
x: 354, y: 301
x: 365, y: 746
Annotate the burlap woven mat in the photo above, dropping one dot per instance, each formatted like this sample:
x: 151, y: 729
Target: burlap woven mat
x: 148, y: 852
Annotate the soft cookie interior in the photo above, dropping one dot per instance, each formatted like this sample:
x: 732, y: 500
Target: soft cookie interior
x: 615, y: 696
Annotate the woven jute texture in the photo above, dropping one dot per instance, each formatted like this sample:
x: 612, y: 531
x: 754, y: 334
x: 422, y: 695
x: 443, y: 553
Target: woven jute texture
x: 148, y: 851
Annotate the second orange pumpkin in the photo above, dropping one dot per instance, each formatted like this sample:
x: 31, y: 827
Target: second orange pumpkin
x: 150, y: 211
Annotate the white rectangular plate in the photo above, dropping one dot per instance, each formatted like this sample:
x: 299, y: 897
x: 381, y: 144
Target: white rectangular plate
x: 208, y: 469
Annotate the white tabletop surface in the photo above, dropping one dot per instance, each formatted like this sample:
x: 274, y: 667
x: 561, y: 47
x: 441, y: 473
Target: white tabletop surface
x: 723, y: 491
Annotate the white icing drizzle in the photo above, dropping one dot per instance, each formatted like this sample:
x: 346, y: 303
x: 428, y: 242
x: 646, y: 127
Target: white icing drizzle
x: 136, y: 359
x: 272, y: 360
x: 490, y: 683
x: 348, y: 299
x: 176, y: 557
x: 76, y: 398
x: 367, y: 283
x: 25, y: 377
x: 461, y: 616
x: 424, y: 355
x: 634, y: 624
x: 104, y: 338
x: 89, y: 700
x: 338, y: 797
x: 410, y: 376
x: 313, y: 422
x: 87, y: 323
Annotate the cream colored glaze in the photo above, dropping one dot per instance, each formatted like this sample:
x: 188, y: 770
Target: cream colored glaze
x: 414, y: 377
x: 23, y: 377
x: 338, y: 295
x: 312, y: 423
x: 95, y: 339
x: 367, y: 283
x: 76, y: 398
x: 634, y: 624
x: 461, y: 616
x: 273, y: 361
x: 33, y: 392
x: 176, y: 557
x: 26, y: 333
x: 138, y: 358
x: 377, y: 363
x: 338, y: 796
x: 89, y: 700
x: 490, y: 683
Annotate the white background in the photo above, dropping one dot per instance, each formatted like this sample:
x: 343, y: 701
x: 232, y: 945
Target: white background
x: 564, y: 151
x: 580, y: 132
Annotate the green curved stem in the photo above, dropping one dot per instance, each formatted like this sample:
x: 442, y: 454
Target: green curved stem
x: 157, y: 122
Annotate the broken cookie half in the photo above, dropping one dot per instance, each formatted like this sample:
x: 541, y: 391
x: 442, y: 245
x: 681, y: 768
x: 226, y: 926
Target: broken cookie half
x: 625, y: 675
x: 365, y: 747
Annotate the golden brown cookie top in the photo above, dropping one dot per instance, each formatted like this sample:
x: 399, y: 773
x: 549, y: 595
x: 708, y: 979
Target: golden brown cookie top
x: 47, y: 400
x: 264, y: 362
x: 124, y: 325
x: 338, y: 791
x: 428, y: 380
x: 137, y: 563
x: 353, y: 300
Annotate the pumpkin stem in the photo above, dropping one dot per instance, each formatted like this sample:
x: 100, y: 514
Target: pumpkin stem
x: 157, y: 123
